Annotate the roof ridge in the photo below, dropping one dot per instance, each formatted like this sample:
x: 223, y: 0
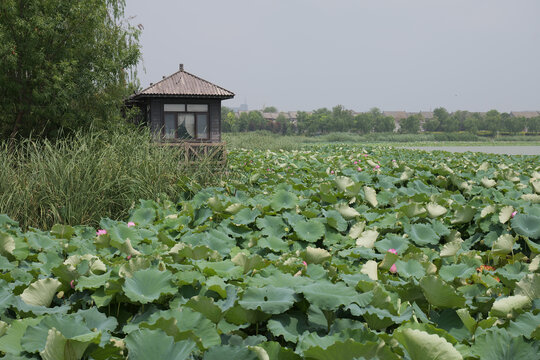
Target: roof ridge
x: 186, y: 72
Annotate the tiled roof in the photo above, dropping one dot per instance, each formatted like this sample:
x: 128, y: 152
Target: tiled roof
x: 397, y: 115
x: 525, y: 114
x: 427, y: 114
x: 182, y: 83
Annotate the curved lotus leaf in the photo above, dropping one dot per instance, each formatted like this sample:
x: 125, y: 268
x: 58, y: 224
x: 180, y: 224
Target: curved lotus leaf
x: 41, y: 292
x: 272, y: 226
x: 10, y: 342
x: 488, y: 183
x: 410, y: 268
x: 343, y: 183
x: 371, y: 196
x: 534, y: 198
x: 335, y: 220
x: 507, y: 305
x: 148, y: 285
x: 310, y: 230
x: 316, y: 255
x: 423, y: 234
x: 357, y: 229
x: 421, y: 345
x: 328, y: 296
x: 529, y: 286
x: 348, y: 350
x: 270, y: 299
x: 463, y: 215
x: 346, y: 211
x: 283, y: 200
x: 504, y: 244
x: 392, y: 241
x: 490, y: 209
x: 460, y: 271
x: 273, y: 243
x: 435, y: 210
x: 524, y: 325
x: 367, y: 239
x: 527, y: 225
x: 229, y: 352
x: 58, y: 347
x: 505, y: 214
x: 143, y: 216
x: 498, y: 344
x: 147, y: 344
x: 274, y: 351
x: 246, y: 216
x: 92, y: 281
x: 440, y: 294
x: 290, y: 326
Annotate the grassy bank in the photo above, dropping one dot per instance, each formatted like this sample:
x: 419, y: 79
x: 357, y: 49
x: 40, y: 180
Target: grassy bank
x: 90, y: 176
x: 267, y: 140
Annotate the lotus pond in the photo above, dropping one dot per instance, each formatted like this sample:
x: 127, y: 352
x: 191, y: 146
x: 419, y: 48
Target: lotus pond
x: 325, y: 253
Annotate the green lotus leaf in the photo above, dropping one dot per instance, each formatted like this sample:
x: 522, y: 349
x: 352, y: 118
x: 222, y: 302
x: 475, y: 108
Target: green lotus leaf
x: 274, y: 351
x: 41, y: 292
x: 270, y: 299
x: 524, y: 325
x: 148, y: 285
x: 451, y: 248
x: 92, y: 281
x: 440, y: 294
x: 504, y: 244
x: 423, y: 234
x: 229, y: 352
x: 335, y: 220
x: 58, y: 347
x: 410, y: 268
x: 62, y: 231
x: 10, y: 342
x: 213, y: 239
x: 205, y: 306
x: 290, y: 326
x: 467, y: 319
x: 421, y: 345
x: 71, y: 327
x: 328, y: 296
x: 461, y: 271
x: 310, y: 230
x: 100, y: 322
x: 246, y: 216
x: 529, y: 286
x: 273, y: 243
x: 349, y: 350
x: 392, y: 241
x: 225, y: 269
x: 156, y: 344
x: 527, y: 225
x: 283, y: 200
x: 498, y: 344
x: 249, y: 263
x: 14, y: 246
x: 463, y: 215
x: 505, y: 306
x: 412, y: 210
x: 143, y: 216
x: 272, y: 226
x: 490, y: 209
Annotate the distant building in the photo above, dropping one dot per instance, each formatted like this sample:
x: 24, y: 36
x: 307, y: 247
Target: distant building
x: 397, y: 116
x: 525, y: 114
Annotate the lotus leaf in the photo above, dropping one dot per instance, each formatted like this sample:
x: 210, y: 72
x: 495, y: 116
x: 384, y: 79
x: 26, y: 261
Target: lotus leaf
x: 148, y: 285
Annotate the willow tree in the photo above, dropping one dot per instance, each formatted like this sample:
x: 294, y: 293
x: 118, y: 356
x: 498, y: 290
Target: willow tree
x: 65, y: 64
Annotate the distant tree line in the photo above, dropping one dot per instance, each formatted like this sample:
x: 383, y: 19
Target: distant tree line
x: 339, y: 119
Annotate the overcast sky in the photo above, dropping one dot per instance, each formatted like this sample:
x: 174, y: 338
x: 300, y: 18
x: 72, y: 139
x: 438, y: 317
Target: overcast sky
x: 392, y: 54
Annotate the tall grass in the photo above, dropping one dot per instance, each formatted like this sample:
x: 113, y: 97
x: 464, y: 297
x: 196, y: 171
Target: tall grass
x: 79, y: 180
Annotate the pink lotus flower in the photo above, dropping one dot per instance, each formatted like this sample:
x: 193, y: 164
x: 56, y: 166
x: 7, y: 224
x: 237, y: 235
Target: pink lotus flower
x: 332, y: 171
x: 393, y: 268
x: 268, y: 169
x: 72, y: 284
x: 359, y: 169
x: 128, y: 257
x: 101, y: 232
x: 304, y: 263
x: 393, y: 160
x: 365, y: 155
x: 514, y: 214
x: 131, y: 223
x: 355, y: 162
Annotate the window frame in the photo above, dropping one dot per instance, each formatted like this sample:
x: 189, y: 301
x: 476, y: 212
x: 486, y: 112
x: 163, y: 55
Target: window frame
x: 195, y: 115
